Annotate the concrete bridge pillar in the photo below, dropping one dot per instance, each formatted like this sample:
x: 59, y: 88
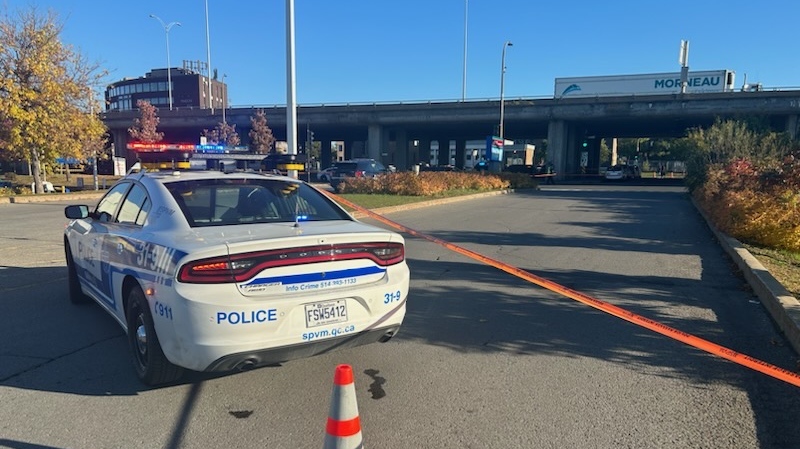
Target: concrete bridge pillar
x: 400, y: 157
x: 444, y: 151
x: 325, y: 156
x: 375, y: 139
x: 461, y: 149
x: 614, y: 151
x: 557, y: 145
x: 424, y: 151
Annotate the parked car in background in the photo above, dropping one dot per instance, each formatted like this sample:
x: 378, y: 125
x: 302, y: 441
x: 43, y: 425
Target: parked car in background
x: 615, y: 173
x: 325, y: 174
x: 357, y: 168
x: 622, y: 172
x: 632, y: 171
x: 525, y: 169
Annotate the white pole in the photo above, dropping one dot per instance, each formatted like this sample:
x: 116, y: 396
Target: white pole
x: 224, y: 99
x: 502, y: 88
x: 208, y: 54
x: 464, y: 77
x: 169, y: 74
x: 169, y: 69
x: 291, y: 107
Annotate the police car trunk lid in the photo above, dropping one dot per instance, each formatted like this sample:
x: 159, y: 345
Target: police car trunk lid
x: 286, y: 258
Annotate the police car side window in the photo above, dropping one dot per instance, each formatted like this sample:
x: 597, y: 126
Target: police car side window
x: 107, y: 206
x: 133, y: 206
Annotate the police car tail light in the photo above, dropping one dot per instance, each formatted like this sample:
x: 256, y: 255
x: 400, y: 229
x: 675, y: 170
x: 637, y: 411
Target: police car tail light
x: 242, y: 267
x: 389, y: 254
x: 207, y: 271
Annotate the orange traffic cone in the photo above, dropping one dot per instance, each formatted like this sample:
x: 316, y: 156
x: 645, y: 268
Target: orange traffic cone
x: 343, y: 430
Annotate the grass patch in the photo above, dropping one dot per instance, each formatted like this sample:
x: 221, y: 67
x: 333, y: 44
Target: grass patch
x: 375, y: 201
x: 783, y: 265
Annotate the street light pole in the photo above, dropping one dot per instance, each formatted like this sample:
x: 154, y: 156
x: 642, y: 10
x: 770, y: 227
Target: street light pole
x: 464, y: 76
x: 208, y: 50
x: 169, y: 69
x: 224, y: 98
x: 502, y: 87
x: 291, y: 92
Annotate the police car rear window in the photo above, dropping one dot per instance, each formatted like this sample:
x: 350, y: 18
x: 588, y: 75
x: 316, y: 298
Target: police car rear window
x: 222, y: 202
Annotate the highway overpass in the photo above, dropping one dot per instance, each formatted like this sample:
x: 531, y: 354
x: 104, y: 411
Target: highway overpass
x: 401, y: 133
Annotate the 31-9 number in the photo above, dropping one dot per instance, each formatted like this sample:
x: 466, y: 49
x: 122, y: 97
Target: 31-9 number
x: 392, y: 296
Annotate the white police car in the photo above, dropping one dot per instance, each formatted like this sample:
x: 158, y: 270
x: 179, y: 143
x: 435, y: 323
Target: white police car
x: 213, y: 271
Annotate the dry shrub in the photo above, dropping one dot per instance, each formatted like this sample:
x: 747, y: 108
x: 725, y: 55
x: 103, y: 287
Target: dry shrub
x: 754, y: 204
x: 424, y: 184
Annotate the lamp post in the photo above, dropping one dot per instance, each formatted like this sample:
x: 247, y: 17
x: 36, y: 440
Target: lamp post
x: 464, y: 75
x: 224, y: 98
x: 208, y: 52
x: 167, y: 27
x: 502, y: 87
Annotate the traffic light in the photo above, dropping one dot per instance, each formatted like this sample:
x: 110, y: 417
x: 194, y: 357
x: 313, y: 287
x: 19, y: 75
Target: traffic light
x: 585, y: 143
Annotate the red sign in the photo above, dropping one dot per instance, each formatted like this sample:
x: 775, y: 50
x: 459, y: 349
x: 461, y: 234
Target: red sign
x: 141, y: 146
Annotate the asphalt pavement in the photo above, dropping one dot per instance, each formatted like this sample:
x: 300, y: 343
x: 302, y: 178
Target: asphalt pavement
x: 782, y: 306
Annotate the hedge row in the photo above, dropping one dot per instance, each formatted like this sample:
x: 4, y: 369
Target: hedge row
x: 755, y: 204
x: 434, y: 183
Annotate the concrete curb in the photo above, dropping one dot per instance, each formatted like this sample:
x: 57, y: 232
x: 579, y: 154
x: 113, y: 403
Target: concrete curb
x: 782, y: 306
x: 52, y: 197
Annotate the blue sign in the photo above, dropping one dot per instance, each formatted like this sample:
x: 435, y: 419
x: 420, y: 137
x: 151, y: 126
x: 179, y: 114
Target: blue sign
x: 494, y: 149
x: 210, y: 148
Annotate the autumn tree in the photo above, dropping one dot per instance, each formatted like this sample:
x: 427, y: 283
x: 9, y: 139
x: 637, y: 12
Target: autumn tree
x: 145, y: 126
x: 46, y: 101
x: 89, y: 136
x: 261, y: 138
x: 223, y: 134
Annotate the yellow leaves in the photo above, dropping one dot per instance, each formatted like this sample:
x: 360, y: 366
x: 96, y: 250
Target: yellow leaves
x: 44, y: 86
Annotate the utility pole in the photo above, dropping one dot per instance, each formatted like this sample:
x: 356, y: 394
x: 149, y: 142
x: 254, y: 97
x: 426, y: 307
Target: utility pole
x: 683, y: 59
x: 291, y: 93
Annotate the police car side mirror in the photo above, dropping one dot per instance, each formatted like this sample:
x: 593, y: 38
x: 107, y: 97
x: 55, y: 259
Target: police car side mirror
x: 76, y: 212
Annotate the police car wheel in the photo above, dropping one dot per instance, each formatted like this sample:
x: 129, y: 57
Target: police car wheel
x: 76, y: 295
x: 149, y: 361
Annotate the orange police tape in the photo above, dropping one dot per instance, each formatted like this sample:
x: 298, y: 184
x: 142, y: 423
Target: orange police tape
x: 691, y: 340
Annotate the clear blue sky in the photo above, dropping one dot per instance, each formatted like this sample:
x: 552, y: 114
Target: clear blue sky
x: 409, y: 50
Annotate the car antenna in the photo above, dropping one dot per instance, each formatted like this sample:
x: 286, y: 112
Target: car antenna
x: 137, y: 167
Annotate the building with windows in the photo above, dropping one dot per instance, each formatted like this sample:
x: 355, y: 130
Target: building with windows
x: 189, y: 89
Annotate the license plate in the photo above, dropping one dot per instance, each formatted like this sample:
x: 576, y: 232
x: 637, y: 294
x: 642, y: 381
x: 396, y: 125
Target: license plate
x: 328, y: 312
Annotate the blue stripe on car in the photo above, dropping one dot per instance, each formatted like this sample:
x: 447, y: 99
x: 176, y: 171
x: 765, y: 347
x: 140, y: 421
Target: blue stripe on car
x: 316, y: 277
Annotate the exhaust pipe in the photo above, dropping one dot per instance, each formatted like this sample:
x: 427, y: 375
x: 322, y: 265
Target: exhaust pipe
x: 246, y: 365
x: 386, y: 337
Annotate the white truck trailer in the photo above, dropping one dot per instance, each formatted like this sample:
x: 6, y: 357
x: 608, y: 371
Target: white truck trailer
x: 714, y: 81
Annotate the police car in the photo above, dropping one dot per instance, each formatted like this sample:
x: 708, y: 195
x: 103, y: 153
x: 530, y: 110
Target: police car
x: 213, y: 271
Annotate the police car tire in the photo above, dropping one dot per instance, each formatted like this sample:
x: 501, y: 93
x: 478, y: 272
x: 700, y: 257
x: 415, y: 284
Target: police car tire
x: 149, y: 361
x: 76, y: 295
